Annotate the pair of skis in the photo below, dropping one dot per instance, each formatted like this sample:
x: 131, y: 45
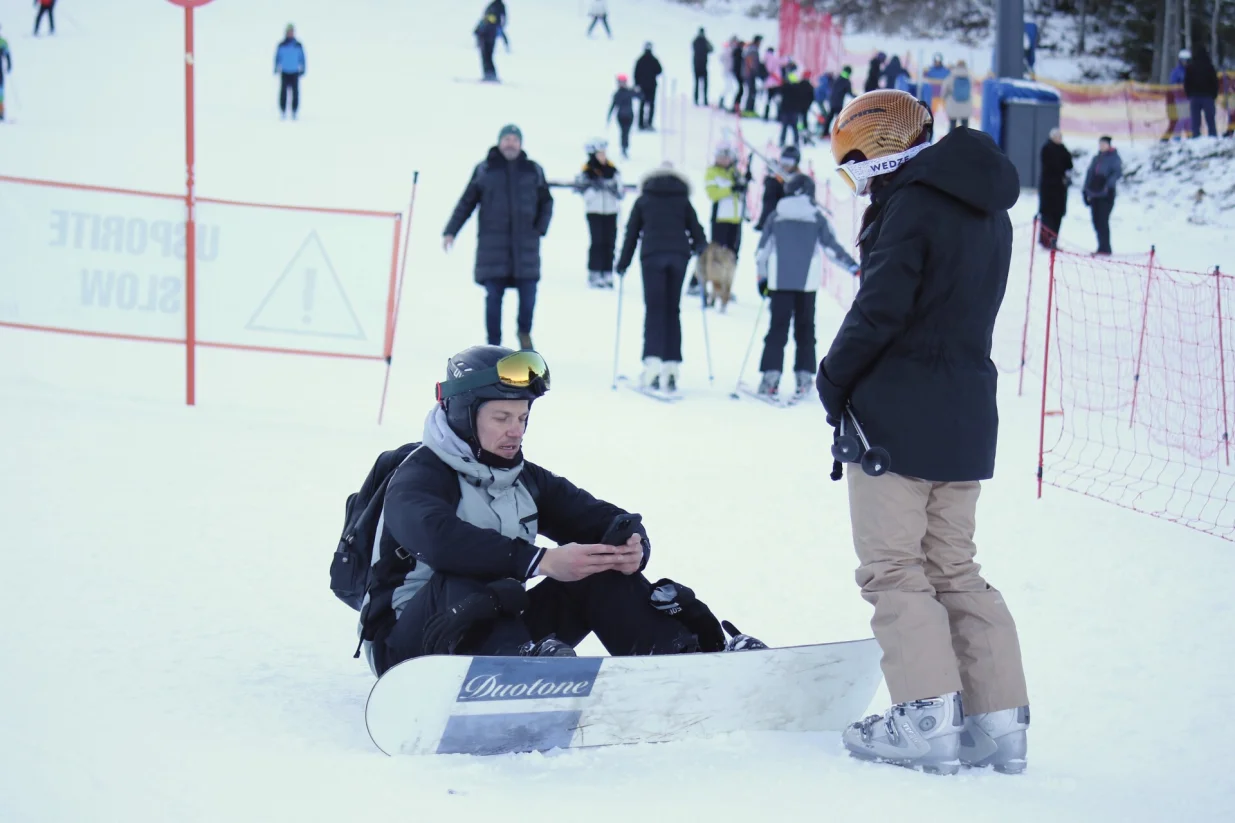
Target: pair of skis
x: 781, y: 402
x: 647, y: 391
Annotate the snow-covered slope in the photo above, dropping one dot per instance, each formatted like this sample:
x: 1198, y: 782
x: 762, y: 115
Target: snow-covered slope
x: 170, y: 649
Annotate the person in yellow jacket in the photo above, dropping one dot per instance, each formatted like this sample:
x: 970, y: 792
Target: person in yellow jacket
x: 726, y: 188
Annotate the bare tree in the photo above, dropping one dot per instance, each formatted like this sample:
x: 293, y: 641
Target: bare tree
x: 1213, y: 30
x: 1083, y: 9
x: 1188, y: 24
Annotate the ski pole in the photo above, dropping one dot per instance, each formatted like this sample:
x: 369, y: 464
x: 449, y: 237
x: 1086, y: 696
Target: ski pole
x: 754, y: 332
x: 707, y: 343
x: 617, y: 334
x: 874, y: 459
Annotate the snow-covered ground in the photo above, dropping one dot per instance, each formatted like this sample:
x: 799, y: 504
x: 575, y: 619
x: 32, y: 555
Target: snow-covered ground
x: 170, y: 648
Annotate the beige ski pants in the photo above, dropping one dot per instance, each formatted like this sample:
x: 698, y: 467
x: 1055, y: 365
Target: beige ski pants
x: 941, y: 627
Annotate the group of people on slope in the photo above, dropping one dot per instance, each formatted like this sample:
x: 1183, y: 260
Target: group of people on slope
x: 911, y: 361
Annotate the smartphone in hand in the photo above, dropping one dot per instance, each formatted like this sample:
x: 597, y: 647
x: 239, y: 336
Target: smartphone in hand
x: 621, y: 529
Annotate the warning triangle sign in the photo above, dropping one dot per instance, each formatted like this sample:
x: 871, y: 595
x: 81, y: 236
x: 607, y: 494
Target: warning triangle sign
x: 308, y: 298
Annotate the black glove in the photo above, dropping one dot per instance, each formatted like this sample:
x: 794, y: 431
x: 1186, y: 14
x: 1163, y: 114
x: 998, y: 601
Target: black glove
x: 763, y: 287
x: 678, y: 601
x: 832, y: 396
x: 444, y: 632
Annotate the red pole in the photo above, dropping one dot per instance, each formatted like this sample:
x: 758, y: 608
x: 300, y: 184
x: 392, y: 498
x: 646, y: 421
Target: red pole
x: 1140, y: 346
x: 394, y: 321
x: 1226, y: 439
x: 190, y: 225
x: 390, y: 290
x: 1033, y: 241
x: 1046, y: 356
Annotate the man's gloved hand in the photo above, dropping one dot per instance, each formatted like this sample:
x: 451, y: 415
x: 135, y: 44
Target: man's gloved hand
x: 763, y: 287
x: 831, y: 395
x: 678, y: 601
x: 445, y: 631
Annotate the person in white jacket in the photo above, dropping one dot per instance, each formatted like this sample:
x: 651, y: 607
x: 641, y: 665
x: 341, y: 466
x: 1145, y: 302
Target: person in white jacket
x: 599, y: 12
x: 602, y: 190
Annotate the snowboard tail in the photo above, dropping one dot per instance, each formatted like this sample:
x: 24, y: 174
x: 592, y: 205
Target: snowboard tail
x: 499, y: 705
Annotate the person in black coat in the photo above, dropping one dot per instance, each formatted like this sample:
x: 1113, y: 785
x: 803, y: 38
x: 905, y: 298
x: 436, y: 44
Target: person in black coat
x: 647, y: 74
x: 702, y: 49
x: 774, y: 183
x: 874, y: 72
x: 842, y: 87
x: 498, y: 9
x: 665, y: 221
x: 1201, y: 89
x: 912, y: 361
x: 487, y: 31
x: 466, y: 508
x: 507, y: 244
x: 1053, y: 188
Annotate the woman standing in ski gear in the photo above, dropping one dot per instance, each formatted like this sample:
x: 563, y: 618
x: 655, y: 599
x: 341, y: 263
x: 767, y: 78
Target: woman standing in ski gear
x: 911, y: 360
x: 789, y: 262
x: 665, y: 221
x: 466, y: 508
x: 1053, y: 182
x: 601, y: 187
x: 624, y: 104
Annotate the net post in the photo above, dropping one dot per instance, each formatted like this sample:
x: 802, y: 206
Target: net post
x: 398, y: 295
x: 1226, y: 429
x: 1046, y: 355
x: 1140, y: 346
x: 1033, y: 241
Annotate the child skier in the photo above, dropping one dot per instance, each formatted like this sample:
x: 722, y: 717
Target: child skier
x: 601, y: 187
x: 790, y: 269
x: 726, y: 189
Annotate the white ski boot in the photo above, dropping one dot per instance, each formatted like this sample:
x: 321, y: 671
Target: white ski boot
x: 669, y: 375
x: 650, y: 377
x: 769, y: 386
x: 595, y: 280
x: 805, y: 382
x: 921, y: 734
x: 996, y: 739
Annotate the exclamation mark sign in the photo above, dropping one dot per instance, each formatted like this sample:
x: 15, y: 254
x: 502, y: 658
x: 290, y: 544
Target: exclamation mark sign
x: 310, y: 282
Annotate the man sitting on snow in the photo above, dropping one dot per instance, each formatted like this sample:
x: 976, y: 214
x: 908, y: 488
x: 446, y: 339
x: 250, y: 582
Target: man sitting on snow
x: 468, y: 507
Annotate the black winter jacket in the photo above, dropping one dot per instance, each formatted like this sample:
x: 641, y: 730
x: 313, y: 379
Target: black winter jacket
x: 773, y: 191
x: 842, y: 87
x: 665, y: 219
x: 624, y: 104
x: 420, y: 513
x: 913, y: 352
x: 647, y: 71
x: 701, y: 48
x: 1053, y: 183
x: 515, y: 210
x: 1200, y: 78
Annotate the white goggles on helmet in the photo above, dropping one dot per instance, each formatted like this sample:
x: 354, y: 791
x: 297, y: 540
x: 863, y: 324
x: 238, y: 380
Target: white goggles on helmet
x: 596, y: 145
x: 859, y: 173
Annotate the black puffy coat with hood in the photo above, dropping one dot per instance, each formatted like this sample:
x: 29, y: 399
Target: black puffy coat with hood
x: 515, y: 209
x: 913, y: 353
x: 663, y: 218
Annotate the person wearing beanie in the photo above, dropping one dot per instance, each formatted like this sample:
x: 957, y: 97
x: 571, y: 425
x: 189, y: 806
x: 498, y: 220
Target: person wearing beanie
x: 624, y: 105
x: 789, y: 263
x: 600, y: 183
x: 290, y: 64
x: 701, y: 48
x: 774, y: 183
x: 515, y: 209
x: 469, y: 507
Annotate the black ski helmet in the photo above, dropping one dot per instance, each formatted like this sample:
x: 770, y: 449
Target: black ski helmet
x: 461, y: 408
x: 800, y: 184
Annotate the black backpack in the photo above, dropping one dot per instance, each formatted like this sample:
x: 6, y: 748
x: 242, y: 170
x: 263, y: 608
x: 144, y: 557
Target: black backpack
x: 352, y: 570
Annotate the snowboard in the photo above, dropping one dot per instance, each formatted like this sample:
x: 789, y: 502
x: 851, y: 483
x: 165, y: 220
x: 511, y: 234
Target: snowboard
x: 457, y: 704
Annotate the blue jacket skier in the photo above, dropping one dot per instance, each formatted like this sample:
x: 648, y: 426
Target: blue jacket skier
x: 6, y: 60
x: 290, y: 64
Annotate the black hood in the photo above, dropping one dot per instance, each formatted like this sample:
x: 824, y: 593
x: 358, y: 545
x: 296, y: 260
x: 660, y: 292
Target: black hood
x: 965, y: 164
x: 664, y: 182
x: 496, y: 158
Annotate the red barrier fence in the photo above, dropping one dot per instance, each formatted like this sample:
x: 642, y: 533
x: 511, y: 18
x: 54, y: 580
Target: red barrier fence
x: 1138, y: 388
x: 811, y: 37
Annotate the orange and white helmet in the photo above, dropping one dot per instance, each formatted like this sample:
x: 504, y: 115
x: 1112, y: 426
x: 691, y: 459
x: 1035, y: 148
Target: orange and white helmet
x: 877, y: 133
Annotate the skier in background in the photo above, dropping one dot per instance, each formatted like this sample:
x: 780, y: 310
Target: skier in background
x: 1201, y: 89
x: 6, y: 61
x: 874, y: 71
x: 498, y: 9
x: 45, y: 7
x: 774, y: 183
x: 624, y: 104
x: 664, y: 225
x: 486, y: 32
x: 753, y: 71
x: 1175, y: 93
x: 789, y: 263
x: 647, y: 74
x: 701, y: 47
x: 1053, y: 188
x: 734, y: 72
x: 599, y: 12
x: 289, y: 62
x: 600, y: 183
x: 726, y: 188
x: 1098, y: 191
